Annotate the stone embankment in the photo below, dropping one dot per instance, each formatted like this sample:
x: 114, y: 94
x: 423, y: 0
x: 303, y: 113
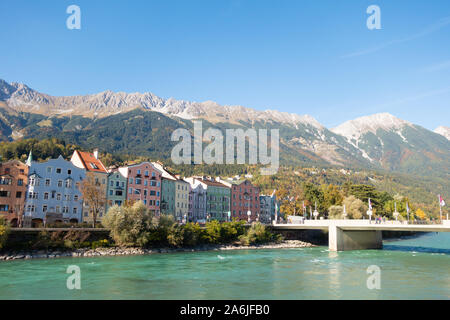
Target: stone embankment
x: 119, y: 251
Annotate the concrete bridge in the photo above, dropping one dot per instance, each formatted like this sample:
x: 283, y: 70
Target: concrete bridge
x: 346, y: 235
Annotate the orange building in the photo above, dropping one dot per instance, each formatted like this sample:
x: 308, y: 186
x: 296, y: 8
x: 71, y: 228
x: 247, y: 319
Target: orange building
x: 13, y: 189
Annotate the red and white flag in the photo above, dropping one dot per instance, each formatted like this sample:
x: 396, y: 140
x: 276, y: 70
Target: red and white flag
x: 441, y: 201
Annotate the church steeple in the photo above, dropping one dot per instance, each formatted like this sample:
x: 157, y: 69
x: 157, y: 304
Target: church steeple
x: 30, y: 159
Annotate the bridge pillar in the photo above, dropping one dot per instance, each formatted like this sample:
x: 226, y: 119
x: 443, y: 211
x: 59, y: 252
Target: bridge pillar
x: 343, y: 240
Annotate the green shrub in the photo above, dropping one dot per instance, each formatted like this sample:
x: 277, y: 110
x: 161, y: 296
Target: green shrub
x: 258, y: 234
x: 4, y: 232
x: 129, y: 225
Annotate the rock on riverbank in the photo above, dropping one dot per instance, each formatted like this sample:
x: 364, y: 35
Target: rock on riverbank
x: 118, y: 251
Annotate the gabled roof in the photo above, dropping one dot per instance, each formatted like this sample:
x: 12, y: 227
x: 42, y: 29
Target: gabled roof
x: 90, y: 163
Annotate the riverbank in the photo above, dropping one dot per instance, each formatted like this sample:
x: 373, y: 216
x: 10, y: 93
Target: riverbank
x: 118, y: 251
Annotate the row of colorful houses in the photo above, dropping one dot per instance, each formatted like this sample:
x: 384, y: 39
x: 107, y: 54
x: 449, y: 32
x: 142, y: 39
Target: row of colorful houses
x: 36, y: 193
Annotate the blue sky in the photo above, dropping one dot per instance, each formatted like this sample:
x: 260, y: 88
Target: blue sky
x: 308, y: 57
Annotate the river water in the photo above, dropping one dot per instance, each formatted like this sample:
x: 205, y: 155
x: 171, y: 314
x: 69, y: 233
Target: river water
x: 415, y: 268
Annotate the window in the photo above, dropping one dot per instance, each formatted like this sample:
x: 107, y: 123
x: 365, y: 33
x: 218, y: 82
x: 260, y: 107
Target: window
x: 58, y: 209
x: 137, y: 191
x: 75, y: 197
x: 49, y: 169
x: 74, y: 210
x: 45, y: 195
x: 58, y: 170
x: 130, y: 190
x: 4, y: 207
x: 18, y: 194
x: 138, y: 181
x: 139, y: 171
x: 146, y: 173
x: 44, y: 208
x: 110, y: 192
x: 67, y: 197
x: 5, y: 181
x: 69, y: 171
x: 93, y: 165
x: 4, y: 194
x: 58, y: 196
x: 152, y: 193
x: 153, y: 174
x: 68, y: 183
x: 131, y: 181
x: 60, y: 183
x: 20, y: 182
x: 47, y: 182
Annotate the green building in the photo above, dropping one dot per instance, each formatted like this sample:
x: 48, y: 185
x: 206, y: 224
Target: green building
x: 168, y: 187
x: 217, y: 199
x: 117, y: 189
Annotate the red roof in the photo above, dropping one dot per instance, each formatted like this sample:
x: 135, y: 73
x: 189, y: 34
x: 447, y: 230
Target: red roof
x: 90, y: 163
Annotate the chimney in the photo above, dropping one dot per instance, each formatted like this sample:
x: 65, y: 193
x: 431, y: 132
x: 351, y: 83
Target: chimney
x: 96, y: 153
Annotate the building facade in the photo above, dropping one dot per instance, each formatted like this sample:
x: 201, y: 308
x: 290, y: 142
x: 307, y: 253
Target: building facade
x: 53, y: 193
x: 94, y: 167
x: 268, y: 205
x: 182, y: 189
x: 244, y: 199
x: 13, y: 189
x: 167, y: 190
x: 197, y: 201
x: 144, y: 184
x: 117, y: 189
x: 217, y: 199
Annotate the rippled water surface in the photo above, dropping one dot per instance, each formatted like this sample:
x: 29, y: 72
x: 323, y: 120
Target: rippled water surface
x: 416, y: 268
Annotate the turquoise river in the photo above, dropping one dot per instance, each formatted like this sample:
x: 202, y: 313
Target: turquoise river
x: 414, y: 268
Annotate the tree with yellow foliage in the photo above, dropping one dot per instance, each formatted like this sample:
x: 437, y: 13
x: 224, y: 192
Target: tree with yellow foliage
x: 421, y: 214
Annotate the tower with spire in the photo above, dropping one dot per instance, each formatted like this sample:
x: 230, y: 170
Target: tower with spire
x: 30, y: 159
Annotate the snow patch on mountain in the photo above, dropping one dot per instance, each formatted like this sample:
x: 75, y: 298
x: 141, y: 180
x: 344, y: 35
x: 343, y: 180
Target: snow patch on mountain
x: 444, y: 131
x: 354, y: 129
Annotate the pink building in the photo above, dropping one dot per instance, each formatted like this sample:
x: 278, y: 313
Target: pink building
x: 143, y: 184
x: 244, y: 198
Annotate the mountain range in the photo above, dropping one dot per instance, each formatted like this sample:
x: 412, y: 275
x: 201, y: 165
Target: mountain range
x: 141, y: 124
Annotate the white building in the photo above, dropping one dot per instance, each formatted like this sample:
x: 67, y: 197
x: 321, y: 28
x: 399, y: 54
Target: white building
x: 53, y: 192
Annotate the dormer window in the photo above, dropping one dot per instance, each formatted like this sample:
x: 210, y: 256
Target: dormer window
x: 93, y: 165
x: 58, y: 170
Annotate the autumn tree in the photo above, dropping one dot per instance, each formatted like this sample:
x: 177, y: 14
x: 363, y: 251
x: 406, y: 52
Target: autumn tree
x: 93, y: 195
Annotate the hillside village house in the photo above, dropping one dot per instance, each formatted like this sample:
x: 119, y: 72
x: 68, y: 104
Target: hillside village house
x: 144, y: 184
x: 197, y: 201
x: 244, y: 199
x: 116, y: 190
x: 53, y: 193
x: 13, y: 189
x: 93, y: 166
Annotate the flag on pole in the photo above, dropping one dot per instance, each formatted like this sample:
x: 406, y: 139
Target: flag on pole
x: 370, y: 205
x: 407, y: 207
x: 441, y: 201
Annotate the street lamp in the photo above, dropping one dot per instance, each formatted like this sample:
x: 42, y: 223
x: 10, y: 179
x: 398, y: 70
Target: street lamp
x: 229, y: 216
x: 249, y: 213
x: 345, y: 213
